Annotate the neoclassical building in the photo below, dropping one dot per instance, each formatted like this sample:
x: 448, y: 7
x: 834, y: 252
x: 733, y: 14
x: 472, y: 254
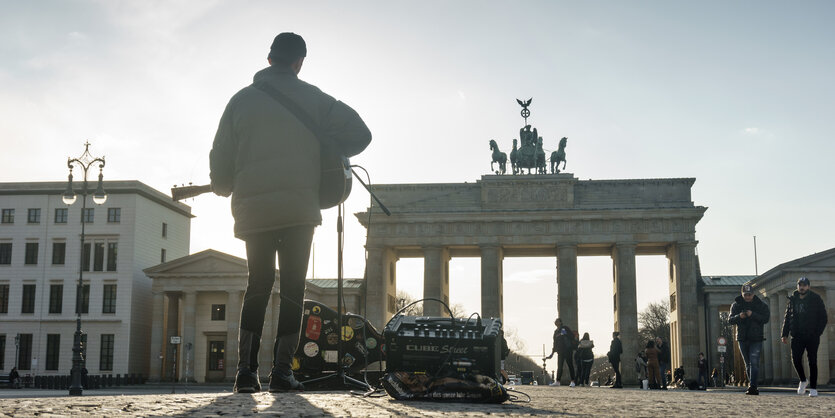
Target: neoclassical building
x: 198, y: 298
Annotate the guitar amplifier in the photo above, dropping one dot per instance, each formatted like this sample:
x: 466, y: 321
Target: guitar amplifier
x: 440, y: 345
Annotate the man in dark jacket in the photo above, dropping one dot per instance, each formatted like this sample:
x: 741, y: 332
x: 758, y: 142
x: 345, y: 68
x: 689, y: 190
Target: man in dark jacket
x: 664, y: 358
x: 564, y: 345
x: 805, y: 320
x: 749, y: 313
x: 615, y: 350
x: 268, y: 159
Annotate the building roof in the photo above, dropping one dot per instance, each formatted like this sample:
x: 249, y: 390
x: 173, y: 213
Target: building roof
x: 726, y: 280
x: 332, y: 283
x: 798, y: 262
x: 111, y: 187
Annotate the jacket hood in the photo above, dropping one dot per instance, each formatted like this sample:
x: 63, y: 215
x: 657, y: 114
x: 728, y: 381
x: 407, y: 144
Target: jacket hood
x: 273, y: 71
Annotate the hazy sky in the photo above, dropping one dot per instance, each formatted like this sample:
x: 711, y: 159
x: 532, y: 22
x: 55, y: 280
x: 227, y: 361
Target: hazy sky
x: 737, y: 94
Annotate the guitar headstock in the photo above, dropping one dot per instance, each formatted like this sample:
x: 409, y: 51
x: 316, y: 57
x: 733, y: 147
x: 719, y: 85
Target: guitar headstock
x: 185, y: 192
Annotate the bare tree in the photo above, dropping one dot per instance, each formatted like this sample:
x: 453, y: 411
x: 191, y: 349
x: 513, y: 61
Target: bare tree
x: 404, y: 299
x: 654, y: 321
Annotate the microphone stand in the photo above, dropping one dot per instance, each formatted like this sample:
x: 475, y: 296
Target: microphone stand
x: 340, y: 374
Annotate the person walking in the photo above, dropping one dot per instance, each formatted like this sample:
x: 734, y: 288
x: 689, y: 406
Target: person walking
x: 663, y: 360
x: 586, y: 356
x: 564, y: 345
x: 749, y: 313
x: 702, y: 380
x: 615, y: 350
x: 653, y: 365
x: 267, y: 155
x: 805, y: 321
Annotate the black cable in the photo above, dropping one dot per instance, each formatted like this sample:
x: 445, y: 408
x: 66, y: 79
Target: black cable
x: 514, y: 399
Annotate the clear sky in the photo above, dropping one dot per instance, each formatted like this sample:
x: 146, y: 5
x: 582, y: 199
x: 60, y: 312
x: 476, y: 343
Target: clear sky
x: 737, y: 94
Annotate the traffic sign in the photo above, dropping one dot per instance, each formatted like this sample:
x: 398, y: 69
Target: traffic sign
x: 721, y: 349
x: 721, y: 341
x: 175, y: 339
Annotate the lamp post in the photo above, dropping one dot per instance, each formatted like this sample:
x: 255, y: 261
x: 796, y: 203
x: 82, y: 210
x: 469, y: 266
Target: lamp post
x: 85, y: 161
x: 16, y: 349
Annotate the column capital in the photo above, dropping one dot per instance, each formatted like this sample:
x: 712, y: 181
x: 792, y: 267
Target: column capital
x: 567, y: 245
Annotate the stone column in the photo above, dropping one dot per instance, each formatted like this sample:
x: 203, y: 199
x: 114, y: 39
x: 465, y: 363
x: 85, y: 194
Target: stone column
x: 786, y: 368
x: 625, y: 306
x: 189, y: 334
x: 492, y: 257
x: 774, y: 325
x: 567, y: 285
x: 712, y: 336
x: 435, y: 280
x: 685, y: 344
x: 157, y: 315
x: 172, y: 328
x: 381, y: 285
x: 766, y: 367
x: 233, y: 318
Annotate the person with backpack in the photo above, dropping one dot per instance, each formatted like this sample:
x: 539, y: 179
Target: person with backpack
x: 564, y: 344
x: 586, y: 357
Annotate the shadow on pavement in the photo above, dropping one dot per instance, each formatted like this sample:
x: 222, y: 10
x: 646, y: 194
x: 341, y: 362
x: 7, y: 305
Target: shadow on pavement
x: 256, y: 403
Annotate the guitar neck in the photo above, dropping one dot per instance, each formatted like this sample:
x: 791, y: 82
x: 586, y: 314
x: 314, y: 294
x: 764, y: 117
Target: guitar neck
x: 185, y: 192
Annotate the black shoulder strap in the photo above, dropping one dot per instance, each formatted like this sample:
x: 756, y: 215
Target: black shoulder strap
x: 293, y: 107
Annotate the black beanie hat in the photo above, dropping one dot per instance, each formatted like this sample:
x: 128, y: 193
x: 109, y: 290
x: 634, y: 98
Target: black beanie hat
x: 288, y: 47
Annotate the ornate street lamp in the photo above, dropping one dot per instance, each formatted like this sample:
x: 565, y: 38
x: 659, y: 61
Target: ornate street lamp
x: 85, y: 161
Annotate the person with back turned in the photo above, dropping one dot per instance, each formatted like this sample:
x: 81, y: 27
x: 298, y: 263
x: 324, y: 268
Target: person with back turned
x: 615, y: 350
x: 805, y: 320
x: 268, y: 160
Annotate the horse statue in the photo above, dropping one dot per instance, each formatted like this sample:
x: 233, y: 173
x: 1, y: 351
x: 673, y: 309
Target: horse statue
x: 540, y: 157
x: 498, y: 157
x: 557, y: 156
x: 514, y: 159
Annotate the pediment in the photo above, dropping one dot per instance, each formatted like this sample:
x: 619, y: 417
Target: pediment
x: 204, y: 262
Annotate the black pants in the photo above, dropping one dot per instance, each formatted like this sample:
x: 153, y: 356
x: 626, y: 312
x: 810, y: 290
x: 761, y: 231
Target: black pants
x: 567, y: 358
x: 293, y: 248
x: 616, y: 368
x: 810, y: 345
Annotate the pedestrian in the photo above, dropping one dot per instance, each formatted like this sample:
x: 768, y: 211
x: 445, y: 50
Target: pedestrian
x: 715, y: 376
x: 749, y: 313
x: 564, y: 345
x: 586, y: 356
x: 805, y: 320
x: 702, y: 380
x: 653, y: 365
x: 14, y: 379
x: 641, y: 369
x: 663, y: 361
x: 267, y: 154
x: 615, y: 350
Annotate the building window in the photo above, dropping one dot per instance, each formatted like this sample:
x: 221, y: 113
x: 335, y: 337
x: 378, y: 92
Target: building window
x: 162, y: 256
x: 24, y: 354
x: 85, y: 299
x: 33, y: 216
x: 59, y: 252
x: 7, y: 216
x: 216, y: 354
x: 31, y: 253
x: 61, y: 215
x: 27, y: 304
x: 87, y: 215
x: 98, y: 256
x: 85, y: 256
x: 164, y: 230
x: 112, y: 253
x: 106, y: 358
x: 5, y: 253
x: 53, y: 346
x: 109, y: 300
x: 56, y: 298
x: 4, y: 301
x: 114, y: 215
x: 2, y: 352
x: 218, y: 312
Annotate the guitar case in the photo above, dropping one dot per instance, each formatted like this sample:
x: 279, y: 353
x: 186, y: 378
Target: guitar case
x: 316, y: 355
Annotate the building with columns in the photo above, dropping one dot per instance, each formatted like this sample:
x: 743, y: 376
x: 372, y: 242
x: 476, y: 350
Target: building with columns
x: 40, y: 256
x: 198, y: 298
x: 554, y: 215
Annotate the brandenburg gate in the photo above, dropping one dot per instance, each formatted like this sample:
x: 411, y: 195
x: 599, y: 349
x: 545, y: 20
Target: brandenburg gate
x: 556, y: 215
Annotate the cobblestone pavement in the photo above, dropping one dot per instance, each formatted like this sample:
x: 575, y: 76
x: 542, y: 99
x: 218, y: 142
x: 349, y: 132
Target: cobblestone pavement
x: 547, y: 401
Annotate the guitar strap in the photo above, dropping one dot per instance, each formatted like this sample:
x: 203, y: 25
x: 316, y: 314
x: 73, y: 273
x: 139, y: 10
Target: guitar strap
x: 296, y: 110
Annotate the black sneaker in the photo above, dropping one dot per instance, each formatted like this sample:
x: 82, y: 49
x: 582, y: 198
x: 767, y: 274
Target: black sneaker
x: 283, y: 381
x: 752, y: 391
x: 247, y: 381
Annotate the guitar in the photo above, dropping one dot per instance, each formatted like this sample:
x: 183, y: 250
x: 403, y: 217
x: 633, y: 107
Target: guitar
x: 334, y: 186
